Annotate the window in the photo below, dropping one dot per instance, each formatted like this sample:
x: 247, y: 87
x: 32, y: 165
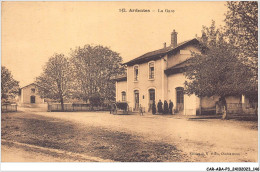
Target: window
x: 135, y: 73
x: 123, y: 96
x: 33, y: 90
x: 151, y: 70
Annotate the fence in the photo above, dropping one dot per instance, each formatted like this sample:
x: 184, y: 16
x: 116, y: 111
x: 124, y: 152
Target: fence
x: 9, y: 108
x: 232, y: 108
x: 75, y: 107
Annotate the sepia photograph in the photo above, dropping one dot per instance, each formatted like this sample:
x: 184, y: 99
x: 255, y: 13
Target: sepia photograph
x: 128, y: 81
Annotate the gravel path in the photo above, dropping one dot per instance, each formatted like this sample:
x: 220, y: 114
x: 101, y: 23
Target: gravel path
x: 139, y: 138
x: 86, y: 140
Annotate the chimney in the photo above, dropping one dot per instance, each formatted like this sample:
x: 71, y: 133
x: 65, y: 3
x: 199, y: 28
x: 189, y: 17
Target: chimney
x: 174, y: 38
x: 164, y: 45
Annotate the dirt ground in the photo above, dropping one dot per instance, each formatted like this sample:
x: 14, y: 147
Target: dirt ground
x: 100, y: 136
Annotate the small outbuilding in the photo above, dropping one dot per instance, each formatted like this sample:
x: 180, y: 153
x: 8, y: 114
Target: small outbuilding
x: 29, y: 95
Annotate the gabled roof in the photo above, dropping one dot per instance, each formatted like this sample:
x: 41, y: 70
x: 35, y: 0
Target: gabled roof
x: 178, y: 68
x: 120, y: 78
x: 29, y: 85
x: 157, y: 54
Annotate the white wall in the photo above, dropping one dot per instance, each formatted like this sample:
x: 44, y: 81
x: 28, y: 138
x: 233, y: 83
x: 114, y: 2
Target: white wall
x: 178, y: 58
x: 120, y: 87
x: 144, y: 84
x: 26, y: 94
x: 191, y: 103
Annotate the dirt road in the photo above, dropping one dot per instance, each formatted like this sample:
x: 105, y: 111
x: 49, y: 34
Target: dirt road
x: 135, y: 138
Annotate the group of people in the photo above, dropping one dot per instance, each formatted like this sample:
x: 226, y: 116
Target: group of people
x: 163, y: 108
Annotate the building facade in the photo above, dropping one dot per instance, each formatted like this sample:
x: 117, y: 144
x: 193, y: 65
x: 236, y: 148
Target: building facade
x: 159, y: 75
x: 29, y: 95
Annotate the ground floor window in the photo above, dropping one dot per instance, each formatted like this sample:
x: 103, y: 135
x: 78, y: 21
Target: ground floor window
x: 123, y: 96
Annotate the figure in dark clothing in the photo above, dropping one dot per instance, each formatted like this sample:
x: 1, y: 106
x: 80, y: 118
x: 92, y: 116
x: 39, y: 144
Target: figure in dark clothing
x: 170, y: 107
x: 165, y: 107
x: 154, y: 108
x: 159, y: 106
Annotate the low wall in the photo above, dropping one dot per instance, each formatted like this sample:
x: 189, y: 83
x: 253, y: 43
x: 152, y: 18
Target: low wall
x: 75, y: 107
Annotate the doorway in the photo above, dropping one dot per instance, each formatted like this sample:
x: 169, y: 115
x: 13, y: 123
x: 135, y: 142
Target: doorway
x: 136, y: 97
x: 151, y: 98
x: 32, y: 99
x: 179, y: 99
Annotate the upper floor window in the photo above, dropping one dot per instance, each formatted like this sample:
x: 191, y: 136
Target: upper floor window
x: 123, y: 96
x: 33, y: 90
x: 151, y: 70
x: 136, y: 73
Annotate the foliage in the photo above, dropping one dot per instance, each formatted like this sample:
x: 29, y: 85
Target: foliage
x: 218, y: 70
x: 9, y: 86
x: 96, y: 100
x: 93, y: 68
x: 242, y: 29
x: 54, y: 82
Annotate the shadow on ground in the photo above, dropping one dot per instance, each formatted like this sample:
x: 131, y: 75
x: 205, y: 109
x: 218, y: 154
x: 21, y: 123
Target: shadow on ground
x: 99, y: 142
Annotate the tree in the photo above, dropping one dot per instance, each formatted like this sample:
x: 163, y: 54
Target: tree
x: 217, y: 70
x: 9, y: 86
x: 93, y: 69
x: 55, y: 81
x: 242, y: 29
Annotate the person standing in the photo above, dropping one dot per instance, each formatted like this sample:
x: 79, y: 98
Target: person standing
x: 141, y: 110
x: 165, y: 107
x: 170, y: 107
x: 159, y: 106
x: 153, y: 108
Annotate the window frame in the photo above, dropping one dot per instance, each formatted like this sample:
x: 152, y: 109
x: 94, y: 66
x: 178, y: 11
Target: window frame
x: 151, y: 79
x: 136, y: 79
x: 123, y: 96
x: 33, y: 90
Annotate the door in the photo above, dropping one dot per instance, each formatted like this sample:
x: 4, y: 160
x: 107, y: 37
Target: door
x: 136, y: 95
x: 32, y: 99
x: 179, y: 99
x: 151, y: 98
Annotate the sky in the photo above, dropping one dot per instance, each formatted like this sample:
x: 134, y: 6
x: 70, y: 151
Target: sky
x: 33, y: 31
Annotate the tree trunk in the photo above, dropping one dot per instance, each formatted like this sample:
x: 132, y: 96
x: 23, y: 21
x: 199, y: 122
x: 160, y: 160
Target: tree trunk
x: 256, y: 109
x: 62, y: 104
x: 224, y: 108
x: 224, y: 113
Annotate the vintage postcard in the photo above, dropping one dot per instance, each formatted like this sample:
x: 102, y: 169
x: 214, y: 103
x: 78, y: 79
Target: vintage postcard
x: 97, y: 81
